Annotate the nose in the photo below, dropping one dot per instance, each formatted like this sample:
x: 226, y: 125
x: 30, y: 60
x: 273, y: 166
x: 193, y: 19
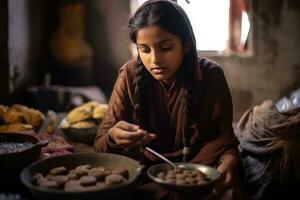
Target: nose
x: 155, y: 57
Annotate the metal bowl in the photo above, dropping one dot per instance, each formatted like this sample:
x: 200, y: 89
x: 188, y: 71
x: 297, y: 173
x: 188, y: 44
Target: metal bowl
x: 211, y: 173
x: 70, y: 161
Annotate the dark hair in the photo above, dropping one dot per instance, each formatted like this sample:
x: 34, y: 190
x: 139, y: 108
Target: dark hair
x: 166, y: 16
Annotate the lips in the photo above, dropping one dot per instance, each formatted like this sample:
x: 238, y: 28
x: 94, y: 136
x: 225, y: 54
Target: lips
x: 158, y: 69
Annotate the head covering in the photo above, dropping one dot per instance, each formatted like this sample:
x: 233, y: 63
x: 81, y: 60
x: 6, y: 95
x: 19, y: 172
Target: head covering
x: 198, y: 74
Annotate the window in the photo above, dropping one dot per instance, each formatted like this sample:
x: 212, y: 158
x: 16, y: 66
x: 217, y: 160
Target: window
x: 220, y: 26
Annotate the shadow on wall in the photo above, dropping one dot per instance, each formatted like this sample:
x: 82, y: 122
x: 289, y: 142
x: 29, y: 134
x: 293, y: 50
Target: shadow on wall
x: 106, y: 27
x: 241, y: 99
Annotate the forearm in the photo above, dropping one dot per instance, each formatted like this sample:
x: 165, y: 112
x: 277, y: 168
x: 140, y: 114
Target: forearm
x: 230, y: 153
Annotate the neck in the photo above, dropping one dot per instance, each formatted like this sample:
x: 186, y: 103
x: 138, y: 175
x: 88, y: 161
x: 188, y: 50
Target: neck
x: 167, y: 83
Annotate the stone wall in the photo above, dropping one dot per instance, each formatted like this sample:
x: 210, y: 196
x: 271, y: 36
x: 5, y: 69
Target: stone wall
x: 273, y: 69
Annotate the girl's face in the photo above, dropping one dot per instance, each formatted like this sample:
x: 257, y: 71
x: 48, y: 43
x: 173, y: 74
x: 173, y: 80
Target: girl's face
x: 160, y: 51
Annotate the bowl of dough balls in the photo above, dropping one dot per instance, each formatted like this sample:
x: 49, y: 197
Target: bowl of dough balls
x: 81, y: 176
x: 185, y: 177
x: 81, y: 123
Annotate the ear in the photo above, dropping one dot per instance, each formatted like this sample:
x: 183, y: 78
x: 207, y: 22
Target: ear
x: 187, y: 46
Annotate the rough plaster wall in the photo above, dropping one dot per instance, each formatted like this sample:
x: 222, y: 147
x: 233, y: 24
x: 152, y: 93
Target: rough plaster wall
x: 107, y: 22
x: 18, y: 42
x: 273, y: 70
x: 24, y: 43
x: 4, y: 87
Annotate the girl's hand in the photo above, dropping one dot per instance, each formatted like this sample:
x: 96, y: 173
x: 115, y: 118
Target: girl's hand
x: 227, y: 168
x: 129, y: 135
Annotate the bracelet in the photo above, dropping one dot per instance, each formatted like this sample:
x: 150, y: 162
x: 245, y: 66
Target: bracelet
x: 110, y: 142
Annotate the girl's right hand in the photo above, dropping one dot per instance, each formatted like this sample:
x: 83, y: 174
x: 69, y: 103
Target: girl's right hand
x: 129, y: 135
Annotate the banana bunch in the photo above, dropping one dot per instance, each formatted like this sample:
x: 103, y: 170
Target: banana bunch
x: 85, y: 116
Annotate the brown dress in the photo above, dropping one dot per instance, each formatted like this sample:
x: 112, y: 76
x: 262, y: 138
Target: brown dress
x: 212, y: 133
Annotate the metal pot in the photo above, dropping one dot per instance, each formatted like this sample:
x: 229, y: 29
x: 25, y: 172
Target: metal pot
x: 70, y: 161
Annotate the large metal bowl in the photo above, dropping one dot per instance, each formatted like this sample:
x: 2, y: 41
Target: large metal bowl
x: 70, y: 161
x: 211, y: 173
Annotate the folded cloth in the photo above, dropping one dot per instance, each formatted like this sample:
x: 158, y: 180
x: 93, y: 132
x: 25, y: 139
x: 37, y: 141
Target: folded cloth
x: 57, y: 146
x: 269, y: 143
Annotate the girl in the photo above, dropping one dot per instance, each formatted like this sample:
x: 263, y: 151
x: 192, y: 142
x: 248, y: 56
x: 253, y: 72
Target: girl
x: 169, y: 99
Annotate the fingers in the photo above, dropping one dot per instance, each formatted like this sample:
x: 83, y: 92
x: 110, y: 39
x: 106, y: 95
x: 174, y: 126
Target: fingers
x: 130, y: 135
x: 128, y: 131
x: 143, y: 142
x: 147, y: 139
x: 127, y: 126
x: 125, y: 131
x: 227, y: 170
x: 226, y: 180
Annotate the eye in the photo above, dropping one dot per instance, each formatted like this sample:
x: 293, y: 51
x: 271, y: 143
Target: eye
x: 144, y: 49
x: 166, y: 47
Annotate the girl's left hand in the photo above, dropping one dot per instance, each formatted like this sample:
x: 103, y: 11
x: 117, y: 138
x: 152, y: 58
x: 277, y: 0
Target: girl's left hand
x: 227, y: 168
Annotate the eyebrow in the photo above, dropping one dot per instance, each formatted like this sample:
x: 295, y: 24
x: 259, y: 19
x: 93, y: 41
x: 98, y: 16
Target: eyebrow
x: 159, y: 42
x: 164, y: 40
